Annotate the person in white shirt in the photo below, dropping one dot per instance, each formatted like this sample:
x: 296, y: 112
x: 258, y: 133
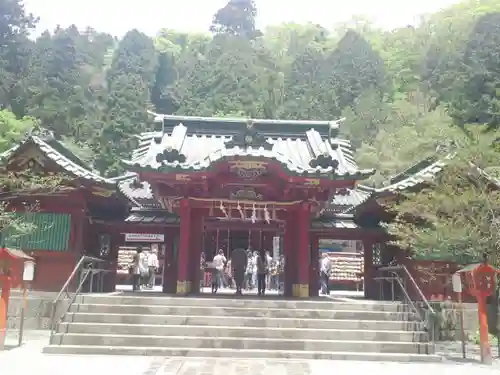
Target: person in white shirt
x: 249, y: 271
x: 218, y: 263
x: 143, y: 260
x: 269, y: 260
x: 153, y: 265
x: 325, y: 269
x: 254, y: 267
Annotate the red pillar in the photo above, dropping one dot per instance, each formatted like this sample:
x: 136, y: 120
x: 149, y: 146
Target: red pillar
x: 290, y: 252
x: 369, y: 287
x: 5, y: 285
x: 196, y: 245
x: 484, y: 339
x: 183, y: 255
x: 314, y: 267
x: 304, y: 250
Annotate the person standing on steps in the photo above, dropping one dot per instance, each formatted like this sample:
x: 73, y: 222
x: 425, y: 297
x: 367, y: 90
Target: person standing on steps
x: 325, y: 270
x: 261, y: 270
x: 269, y: 259
x: 248, y: 270
x: 254, y: 267
x: 218, y: 262
x: 137, y: 270
x: 152, y: 268
x: 239, y: 261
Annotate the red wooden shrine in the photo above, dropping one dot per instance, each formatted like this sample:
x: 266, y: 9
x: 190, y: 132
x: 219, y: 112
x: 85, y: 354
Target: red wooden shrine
x: 202, y: 184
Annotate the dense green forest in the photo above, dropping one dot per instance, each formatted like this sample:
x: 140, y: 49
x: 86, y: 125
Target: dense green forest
x: 403, y: 92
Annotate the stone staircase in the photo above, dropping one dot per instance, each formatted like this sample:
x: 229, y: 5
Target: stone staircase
x: 240, y: 328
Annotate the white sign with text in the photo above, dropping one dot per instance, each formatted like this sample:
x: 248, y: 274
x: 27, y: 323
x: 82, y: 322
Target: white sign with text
x: 144, y: 237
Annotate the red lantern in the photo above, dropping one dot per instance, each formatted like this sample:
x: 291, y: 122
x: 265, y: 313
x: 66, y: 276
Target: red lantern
x: 480, y: 282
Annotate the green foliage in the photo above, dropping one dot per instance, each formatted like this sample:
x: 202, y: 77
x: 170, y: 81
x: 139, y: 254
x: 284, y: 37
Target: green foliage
x: 12, y: 129
x: 456, y: 217
x: 477, y: 96
x: 130, y: 79
x: 399, y: 90
x: 237, y: 18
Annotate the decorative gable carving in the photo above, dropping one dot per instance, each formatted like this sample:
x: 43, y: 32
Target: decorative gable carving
x: 249, y: 138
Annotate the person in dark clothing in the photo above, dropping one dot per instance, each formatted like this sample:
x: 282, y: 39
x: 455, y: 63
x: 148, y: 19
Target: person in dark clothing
x: 262, y: 268
x: 239, y: 264
x: 136, y: 270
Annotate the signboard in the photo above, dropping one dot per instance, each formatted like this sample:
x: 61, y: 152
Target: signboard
x: 276, y: 247
x: 456, y: 283
x: 144, y: 237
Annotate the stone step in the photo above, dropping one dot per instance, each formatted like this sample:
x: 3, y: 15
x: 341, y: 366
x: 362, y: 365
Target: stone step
x: 244, y: 353
x: 236, y: 321
x: 240, y: 343
x: 323, y: 304
x: 242, y: 332
x: 241, y: 354
x: 238, y: 311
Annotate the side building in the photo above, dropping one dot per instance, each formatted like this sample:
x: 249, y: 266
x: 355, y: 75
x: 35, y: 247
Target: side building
x: 65, y: 220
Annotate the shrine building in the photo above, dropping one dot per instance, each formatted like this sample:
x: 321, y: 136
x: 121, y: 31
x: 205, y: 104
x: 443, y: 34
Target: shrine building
x: 198, y: 184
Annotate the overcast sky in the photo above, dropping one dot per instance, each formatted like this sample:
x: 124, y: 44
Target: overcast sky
x: 119, y: 16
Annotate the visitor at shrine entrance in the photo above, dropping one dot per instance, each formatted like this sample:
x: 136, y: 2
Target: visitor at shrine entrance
x: 140, y: 262
x: 242, y: 271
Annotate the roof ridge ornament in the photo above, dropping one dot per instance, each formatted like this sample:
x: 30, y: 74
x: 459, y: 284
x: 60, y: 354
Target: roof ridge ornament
x: 334, y: 129
x: 170, y: 155
x: 324, y: 160
x: 249, y: 137
x: 40, y: 132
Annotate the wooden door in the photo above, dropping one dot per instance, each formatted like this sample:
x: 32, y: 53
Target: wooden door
x: 170, y: 265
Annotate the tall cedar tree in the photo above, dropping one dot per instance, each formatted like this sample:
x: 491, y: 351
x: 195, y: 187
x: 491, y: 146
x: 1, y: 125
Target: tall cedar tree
x: 129, y: 81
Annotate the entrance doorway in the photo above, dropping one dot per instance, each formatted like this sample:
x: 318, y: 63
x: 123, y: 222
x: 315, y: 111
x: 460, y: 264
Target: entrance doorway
x: 255, y: 238
x: 154, y: 250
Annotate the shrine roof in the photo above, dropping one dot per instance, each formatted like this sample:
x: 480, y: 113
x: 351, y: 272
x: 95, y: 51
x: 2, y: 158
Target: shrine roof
x: 59, y: 154
x: 139, y: 193
x: 336, y: 222
x: 152, y: 217
x: 352, y: 197
x: 422, y: 172
x: 303, y: 151
x: 235, y: 125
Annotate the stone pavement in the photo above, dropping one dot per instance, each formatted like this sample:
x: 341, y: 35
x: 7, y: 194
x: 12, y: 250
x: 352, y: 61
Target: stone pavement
x: 29, y: 359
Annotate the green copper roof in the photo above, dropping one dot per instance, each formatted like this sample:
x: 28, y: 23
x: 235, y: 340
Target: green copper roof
x: 306, y: 153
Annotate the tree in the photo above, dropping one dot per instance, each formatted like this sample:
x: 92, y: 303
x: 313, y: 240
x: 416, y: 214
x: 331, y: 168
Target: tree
x: 476, y: 99
x: 456, y: 217
x: 352, y: 68
x: 12, y: 129
x: 365, y: 117
x: 409, y: 134
x: 129, y: 82
x: 15, y: 22
x: 236, y: 18
x: 161, y: 93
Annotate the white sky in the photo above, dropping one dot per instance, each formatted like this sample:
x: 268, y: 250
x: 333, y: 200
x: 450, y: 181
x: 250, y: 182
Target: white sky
x: 119, y: 16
